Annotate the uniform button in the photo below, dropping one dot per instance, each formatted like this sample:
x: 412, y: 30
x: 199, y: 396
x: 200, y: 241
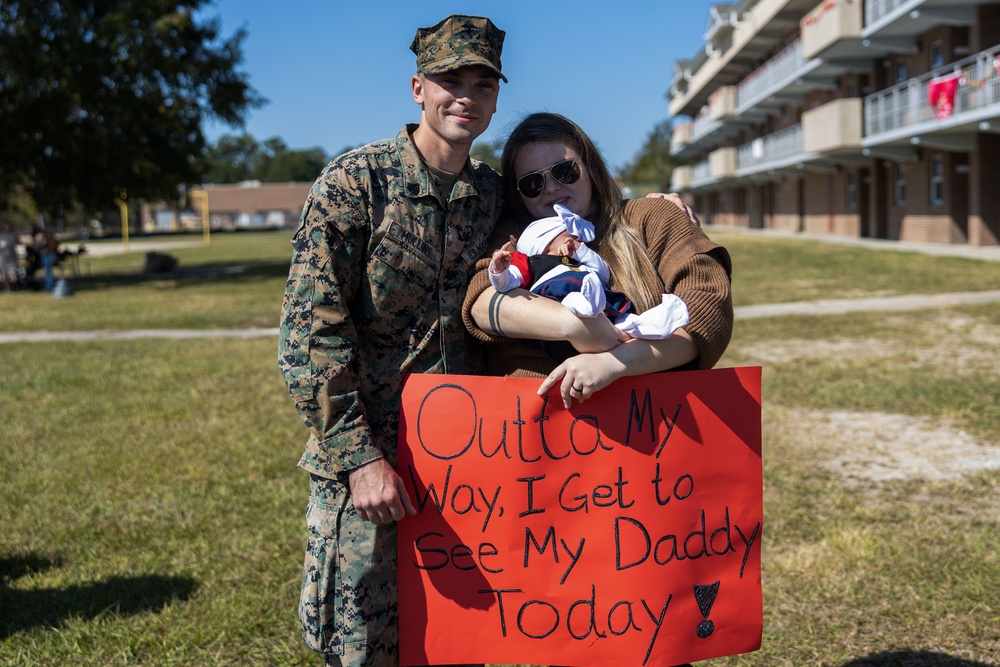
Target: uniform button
x: 413, y: 188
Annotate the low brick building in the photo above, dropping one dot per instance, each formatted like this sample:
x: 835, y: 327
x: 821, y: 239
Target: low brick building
x: 247, y: 205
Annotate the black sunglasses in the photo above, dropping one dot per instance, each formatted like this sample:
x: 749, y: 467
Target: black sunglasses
x: 531, y: 185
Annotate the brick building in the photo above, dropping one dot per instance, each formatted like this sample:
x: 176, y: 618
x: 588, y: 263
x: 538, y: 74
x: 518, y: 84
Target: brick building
x: 871, y: 118
x: 247, y: 205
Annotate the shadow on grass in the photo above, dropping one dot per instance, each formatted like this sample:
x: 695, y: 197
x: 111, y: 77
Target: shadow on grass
x: 234, y: 272
x: 124, y: 596
x: 912, y: 659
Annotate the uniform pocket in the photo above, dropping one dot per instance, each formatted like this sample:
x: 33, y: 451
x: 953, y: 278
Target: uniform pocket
x: 402, y: 282
x: 348, y: 600
x: 321, y: 595
x: 410, y: 257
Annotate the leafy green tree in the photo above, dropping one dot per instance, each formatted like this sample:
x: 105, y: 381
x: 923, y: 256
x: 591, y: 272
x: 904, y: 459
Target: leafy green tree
x: 283, y: 165
x: 233, y: 159
x: 295, y: 166
x: 100, y: 96
x: 653, y: 164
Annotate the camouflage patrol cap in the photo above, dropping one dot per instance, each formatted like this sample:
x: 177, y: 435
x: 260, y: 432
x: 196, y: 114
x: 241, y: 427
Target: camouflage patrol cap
x: 459, y: 41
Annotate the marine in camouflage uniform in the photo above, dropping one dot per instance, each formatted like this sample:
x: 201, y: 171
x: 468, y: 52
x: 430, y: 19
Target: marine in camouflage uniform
x: 382, y: 258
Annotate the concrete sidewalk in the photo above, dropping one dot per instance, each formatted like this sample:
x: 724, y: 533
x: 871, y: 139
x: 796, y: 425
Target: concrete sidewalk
x: 984, y: 253
x: 132, y: 334
x: 888, y: 303
x: 819, y: 307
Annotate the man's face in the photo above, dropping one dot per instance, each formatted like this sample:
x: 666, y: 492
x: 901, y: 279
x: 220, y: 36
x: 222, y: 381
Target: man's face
x: 457, y: 105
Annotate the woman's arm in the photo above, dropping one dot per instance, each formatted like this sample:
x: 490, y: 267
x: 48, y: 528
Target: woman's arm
x: 693, y: 268
x: 690, y: 266
x: 521, y: 314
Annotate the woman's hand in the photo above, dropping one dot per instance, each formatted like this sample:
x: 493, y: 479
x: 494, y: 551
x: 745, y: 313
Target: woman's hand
x: 581, y: 376
x: 676, y: 200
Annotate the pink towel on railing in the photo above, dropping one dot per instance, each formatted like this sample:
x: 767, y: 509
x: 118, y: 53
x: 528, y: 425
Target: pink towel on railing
x: 941, y: 95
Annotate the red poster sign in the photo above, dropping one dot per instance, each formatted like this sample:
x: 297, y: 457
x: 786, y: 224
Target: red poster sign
x: 623, y: 531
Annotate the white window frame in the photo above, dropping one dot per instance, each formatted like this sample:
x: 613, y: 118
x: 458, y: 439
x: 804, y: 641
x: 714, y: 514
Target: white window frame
x: 900, y: 184
x: 937, y: 180
x: 937, y: 54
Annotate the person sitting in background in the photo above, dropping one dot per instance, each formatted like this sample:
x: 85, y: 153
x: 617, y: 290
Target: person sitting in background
x: 8, y: 256
x: 46, y: 248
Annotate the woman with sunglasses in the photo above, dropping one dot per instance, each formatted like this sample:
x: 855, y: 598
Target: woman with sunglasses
x: 651, y: 246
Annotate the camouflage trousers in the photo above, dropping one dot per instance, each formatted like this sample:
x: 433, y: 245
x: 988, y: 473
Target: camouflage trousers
x: 348, y: 607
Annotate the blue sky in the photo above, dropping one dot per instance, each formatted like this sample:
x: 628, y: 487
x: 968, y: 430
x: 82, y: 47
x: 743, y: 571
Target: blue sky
x: 336, y: 73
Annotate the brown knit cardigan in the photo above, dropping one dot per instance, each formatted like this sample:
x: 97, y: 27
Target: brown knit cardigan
x: 688, y: 263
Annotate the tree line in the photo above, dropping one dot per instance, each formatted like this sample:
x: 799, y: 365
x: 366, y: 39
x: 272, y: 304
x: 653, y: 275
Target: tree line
x: 106, y: 99
x: 241, y: 158
x: 236, y: 158
x: 651, y: 167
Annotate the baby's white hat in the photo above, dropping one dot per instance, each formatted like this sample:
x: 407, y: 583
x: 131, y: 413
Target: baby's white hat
x: 537, y: 236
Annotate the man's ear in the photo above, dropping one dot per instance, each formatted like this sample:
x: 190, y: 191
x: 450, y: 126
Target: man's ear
x: 417, y: 86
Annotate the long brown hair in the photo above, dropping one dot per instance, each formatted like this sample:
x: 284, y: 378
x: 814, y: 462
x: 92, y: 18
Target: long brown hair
x: 615, y: 240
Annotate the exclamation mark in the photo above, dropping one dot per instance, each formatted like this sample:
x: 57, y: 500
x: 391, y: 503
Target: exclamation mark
x: 704, y: 595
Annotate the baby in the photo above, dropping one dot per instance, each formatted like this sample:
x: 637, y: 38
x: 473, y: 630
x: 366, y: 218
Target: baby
x: 552, y: 260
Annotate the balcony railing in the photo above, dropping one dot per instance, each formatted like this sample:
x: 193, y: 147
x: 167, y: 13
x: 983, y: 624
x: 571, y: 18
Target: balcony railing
x: 876, y: 9
x: 701, y: 172
x: 680, y: 135
x: 761, y: 82
x: 977, y: 86
x: 702, y: 124
x: 680, y: 179
x: 764, y: 151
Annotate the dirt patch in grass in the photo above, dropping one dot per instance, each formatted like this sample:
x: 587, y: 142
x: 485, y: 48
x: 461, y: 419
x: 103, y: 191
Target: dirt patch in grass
x: 925, y: 344
x: 864, y: 447
x: 879, y: 447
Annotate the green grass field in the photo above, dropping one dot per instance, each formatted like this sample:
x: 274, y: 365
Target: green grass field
x: 151, y: 512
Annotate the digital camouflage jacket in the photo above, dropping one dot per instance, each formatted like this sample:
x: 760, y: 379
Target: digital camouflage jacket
x: 379, y: 271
